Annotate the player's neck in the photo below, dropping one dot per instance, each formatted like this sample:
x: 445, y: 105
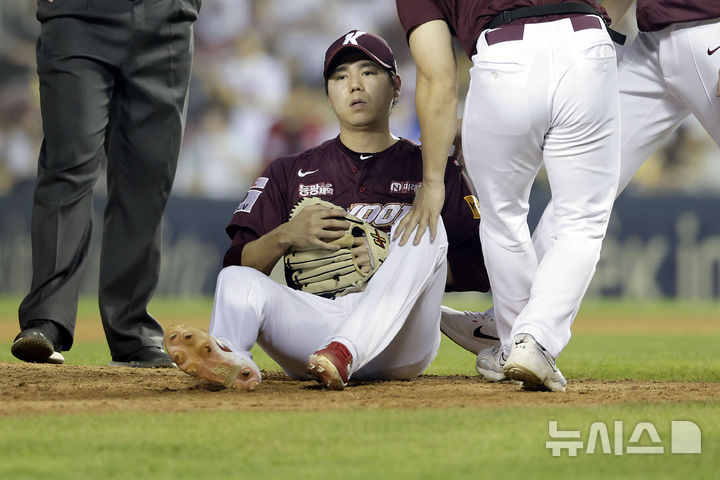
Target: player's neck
x: 367, y: 142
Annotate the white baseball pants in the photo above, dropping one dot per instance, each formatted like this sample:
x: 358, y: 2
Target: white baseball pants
x: 550, y: 97
x: 392, y: 328
x: 664, y: 77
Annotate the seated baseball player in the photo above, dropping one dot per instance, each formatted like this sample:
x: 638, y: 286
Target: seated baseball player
x: 357, y: 305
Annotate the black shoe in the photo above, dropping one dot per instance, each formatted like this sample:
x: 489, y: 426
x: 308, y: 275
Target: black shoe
x: 150, y: 357
x: 33, y: 345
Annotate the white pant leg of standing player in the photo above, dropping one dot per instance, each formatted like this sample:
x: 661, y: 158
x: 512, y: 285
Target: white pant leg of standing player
x: 664, y: 77
x: 551, y: 97
x: 692, y: 74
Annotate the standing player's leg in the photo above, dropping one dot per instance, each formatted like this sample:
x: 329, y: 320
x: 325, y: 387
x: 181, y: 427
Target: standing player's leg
x: 503, y: 133
x: 649, y: 112
x: 692, y: 75
x: 582, y: 158
x: 563, y: 122
x: 143, y: 151
x: 75, y: 92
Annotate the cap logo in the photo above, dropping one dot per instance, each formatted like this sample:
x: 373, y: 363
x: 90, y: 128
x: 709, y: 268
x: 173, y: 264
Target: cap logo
x: 351, y: 38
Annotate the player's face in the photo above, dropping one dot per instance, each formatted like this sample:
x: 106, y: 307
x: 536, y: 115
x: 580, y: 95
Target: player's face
x: 360, y: 93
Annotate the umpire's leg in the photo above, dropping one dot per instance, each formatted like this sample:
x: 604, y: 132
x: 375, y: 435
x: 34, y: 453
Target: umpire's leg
x: 75, y: 91
x: 143, y: 149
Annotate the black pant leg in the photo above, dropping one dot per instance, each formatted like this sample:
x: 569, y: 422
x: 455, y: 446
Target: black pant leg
x: 143, y: 149
x: 76, y: 85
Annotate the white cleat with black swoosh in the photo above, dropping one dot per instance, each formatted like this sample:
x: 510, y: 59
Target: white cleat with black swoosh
x: 474, y: 331
x: 531, y: 364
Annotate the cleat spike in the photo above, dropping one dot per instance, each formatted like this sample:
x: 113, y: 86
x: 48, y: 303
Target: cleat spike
x: 200, y: 355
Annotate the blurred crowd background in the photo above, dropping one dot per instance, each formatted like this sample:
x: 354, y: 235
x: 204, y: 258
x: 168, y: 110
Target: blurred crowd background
x: 257, y: 93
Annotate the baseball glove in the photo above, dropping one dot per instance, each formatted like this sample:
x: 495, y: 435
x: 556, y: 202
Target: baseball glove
x: 335, y: 273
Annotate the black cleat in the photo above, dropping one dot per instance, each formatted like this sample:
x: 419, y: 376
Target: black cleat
x: 31, y: 345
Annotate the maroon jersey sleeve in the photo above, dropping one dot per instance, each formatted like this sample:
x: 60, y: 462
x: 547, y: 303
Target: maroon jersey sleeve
x: 654, y: 15
x: 263, y: 209
x: 462, y: 224
x: 467, y: 18
x: 413, y: 13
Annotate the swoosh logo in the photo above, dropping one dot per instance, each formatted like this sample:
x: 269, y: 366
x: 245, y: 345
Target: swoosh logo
x: 303, y: 174
x: 479, y: 334
x: 710, y: 52
x: 365, y: 157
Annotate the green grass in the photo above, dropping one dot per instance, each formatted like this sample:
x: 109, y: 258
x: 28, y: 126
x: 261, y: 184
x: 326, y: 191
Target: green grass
x: 661, y: 357
x: 463, y: 443
x: 365, y: 444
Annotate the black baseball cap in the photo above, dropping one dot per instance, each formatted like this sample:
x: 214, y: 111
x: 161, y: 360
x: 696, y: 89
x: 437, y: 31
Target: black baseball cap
x: 371, y: 45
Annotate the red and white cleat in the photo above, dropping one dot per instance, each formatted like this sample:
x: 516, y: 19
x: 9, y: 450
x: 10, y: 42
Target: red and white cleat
x: 331, y: 366
x: 197, y: 353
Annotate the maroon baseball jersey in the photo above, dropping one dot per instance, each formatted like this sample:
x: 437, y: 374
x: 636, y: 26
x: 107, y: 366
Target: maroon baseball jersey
x: 653, y: 15
x: 378, y: 188
x: 468, y: 18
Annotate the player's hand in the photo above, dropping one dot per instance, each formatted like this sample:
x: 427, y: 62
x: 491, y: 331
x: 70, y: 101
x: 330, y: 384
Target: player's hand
x: 361, y: 254
x: 314, y: 227
x: 424, y: 213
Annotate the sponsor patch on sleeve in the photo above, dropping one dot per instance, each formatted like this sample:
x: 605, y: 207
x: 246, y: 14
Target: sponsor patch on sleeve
x: 260, y: 183
x: 473, y: 203
x: 252, y: 195
x: 248, y: 202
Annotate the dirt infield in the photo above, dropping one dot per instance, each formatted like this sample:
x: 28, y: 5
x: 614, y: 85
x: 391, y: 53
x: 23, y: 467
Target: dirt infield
x: 58, y: 389
x: 27, y: 389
